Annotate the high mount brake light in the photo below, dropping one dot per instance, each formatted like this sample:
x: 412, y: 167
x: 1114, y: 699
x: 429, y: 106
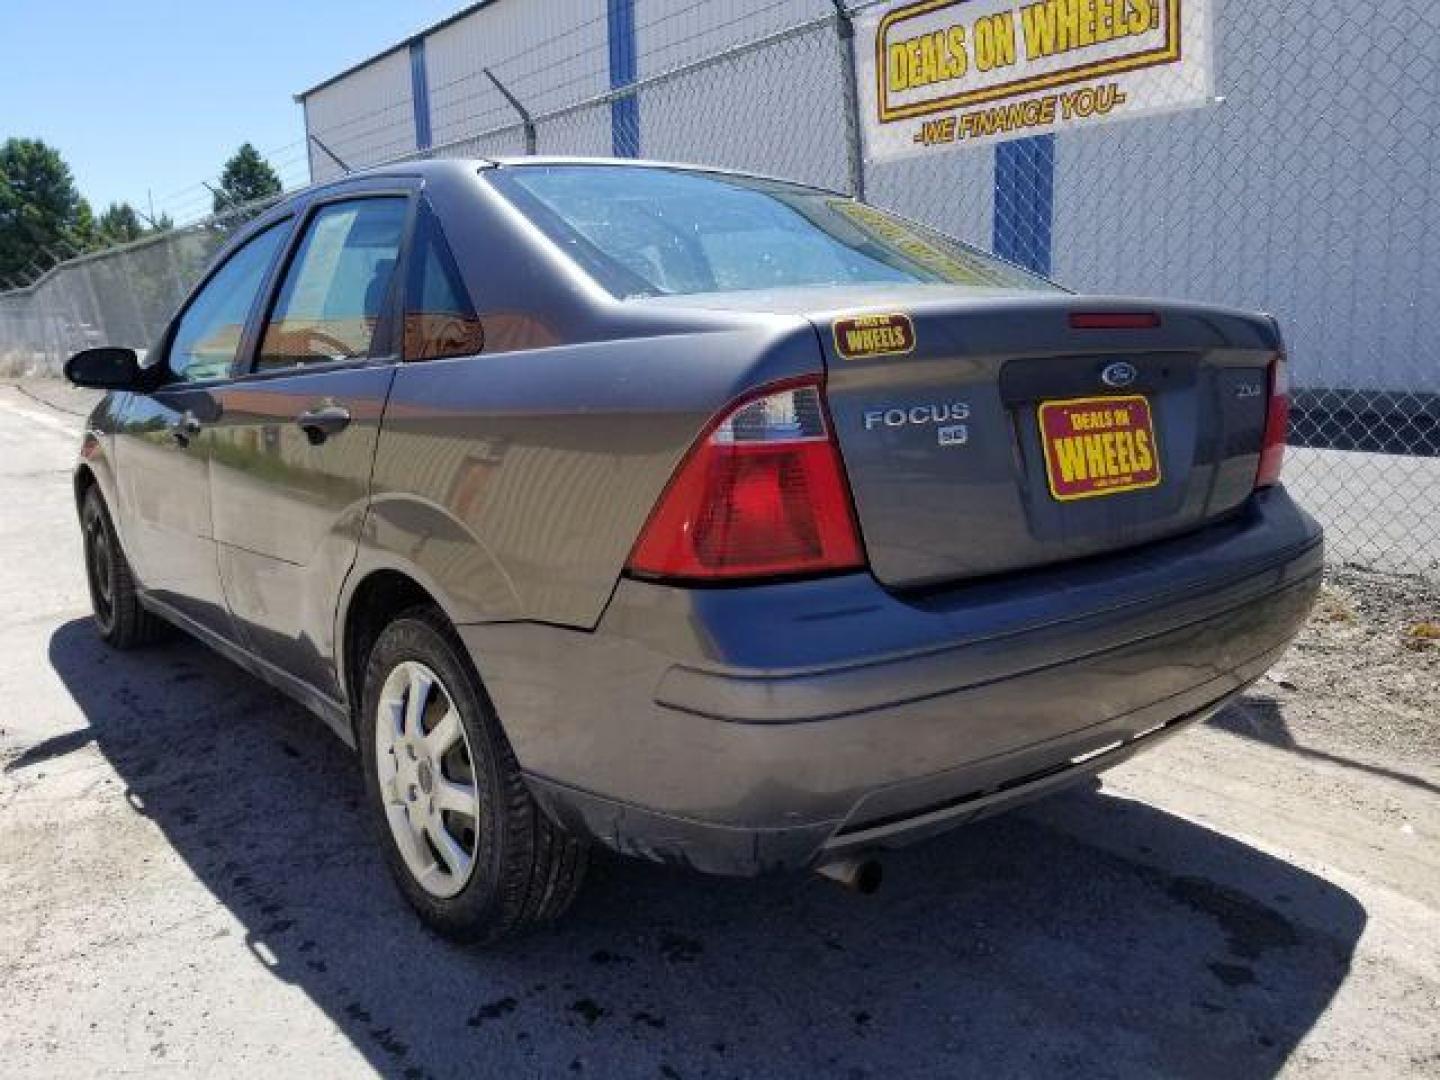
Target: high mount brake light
x: 1277, y: 424
x: 1114, y: 320
x: 761, y: 494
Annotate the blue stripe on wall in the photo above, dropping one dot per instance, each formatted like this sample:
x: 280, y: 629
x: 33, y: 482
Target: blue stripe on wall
x: 1025, y: 201
x: 420, y: 94
x: 625, y: 111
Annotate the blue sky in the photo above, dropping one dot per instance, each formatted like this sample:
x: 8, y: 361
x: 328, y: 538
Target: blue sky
x: 156, y: 94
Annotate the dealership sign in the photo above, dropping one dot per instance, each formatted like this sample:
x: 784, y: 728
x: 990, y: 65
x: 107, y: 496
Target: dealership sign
x: 946, y: 74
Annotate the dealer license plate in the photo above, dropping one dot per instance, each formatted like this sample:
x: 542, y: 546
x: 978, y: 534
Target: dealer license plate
x: 1099, y: 446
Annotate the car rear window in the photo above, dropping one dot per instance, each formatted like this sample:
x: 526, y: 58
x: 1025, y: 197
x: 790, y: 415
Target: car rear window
x: 657, y: 231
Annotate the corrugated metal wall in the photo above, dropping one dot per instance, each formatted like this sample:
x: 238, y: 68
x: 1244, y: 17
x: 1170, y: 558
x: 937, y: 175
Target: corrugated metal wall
x: 548, y: 53
x: 1308, y: 192
x: 366, y: 118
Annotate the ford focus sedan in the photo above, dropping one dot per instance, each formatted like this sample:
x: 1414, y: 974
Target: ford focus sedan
x: 722, y: 521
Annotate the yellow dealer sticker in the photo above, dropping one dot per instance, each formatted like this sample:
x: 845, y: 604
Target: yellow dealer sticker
x: 874, y: 335
x: 956, y: 264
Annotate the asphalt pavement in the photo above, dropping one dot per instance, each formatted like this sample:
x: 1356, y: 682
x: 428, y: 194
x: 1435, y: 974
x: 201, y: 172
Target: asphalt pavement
x: 187, y: 887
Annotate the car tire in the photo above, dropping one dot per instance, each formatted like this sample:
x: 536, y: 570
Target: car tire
x: 429, y: 740
x: 119, y: 616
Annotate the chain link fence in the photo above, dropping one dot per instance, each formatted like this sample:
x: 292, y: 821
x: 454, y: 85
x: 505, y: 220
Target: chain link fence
x: 120, y: 296
x: 1309, y: 190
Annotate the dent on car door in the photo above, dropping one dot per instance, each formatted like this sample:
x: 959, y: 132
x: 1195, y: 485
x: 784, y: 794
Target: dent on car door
x: 163, y: 443
x: 292, y: 453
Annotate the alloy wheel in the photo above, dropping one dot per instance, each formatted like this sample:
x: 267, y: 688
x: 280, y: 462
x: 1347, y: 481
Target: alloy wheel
x: 427, y: 779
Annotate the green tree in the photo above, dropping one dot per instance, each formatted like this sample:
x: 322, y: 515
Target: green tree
x: 83, y: 233
x: 41, y: 212
x: 119, y: 224
x: 247, y: 176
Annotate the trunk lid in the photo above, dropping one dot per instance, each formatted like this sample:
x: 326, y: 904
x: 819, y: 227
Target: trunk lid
x: 947, y: 405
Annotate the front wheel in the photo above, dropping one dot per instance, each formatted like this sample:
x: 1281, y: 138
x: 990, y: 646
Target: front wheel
x: 114, y: 599
x: 466, y: 842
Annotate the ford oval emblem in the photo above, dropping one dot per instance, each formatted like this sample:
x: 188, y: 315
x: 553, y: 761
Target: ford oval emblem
x: 1119, y: 375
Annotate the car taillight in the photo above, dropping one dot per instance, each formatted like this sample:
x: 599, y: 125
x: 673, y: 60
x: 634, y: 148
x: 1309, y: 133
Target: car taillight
x: 1114, y: 320
x: 1277, y: 424
x: 761, y: 494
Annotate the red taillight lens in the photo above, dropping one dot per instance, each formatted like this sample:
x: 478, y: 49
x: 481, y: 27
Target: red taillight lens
x: 761, y: 494
x: 1277, y: 424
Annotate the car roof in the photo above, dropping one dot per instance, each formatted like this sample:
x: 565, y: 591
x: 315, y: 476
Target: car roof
x: 451, y: 166
x: 457, y: 169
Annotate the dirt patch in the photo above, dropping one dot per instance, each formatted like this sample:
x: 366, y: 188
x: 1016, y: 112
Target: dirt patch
x: 1365, y: 673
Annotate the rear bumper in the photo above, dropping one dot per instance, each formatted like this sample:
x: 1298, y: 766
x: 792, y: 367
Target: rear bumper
x: 744, y: 729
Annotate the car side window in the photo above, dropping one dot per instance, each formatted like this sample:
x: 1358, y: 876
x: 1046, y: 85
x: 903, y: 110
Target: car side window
x: 335, y: 289
x: 208, y: 335
x: 440, y: 320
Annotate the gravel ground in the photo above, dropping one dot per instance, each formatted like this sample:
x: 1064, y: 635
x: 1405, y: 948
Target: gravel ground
x: 186, y: 887
x: 1365, y: 674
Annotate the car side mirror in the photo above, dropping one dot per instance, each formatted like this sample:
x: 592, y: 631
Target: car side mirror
x: 106, y: 368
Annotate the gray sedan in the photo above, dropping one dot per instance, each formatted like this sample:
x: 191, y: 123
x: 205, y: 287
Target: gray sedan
x: 719, y: 520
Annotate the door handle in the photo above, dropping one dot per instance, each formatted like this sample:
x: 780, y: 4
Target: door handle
x: 184, y: 428
x: 319, y: 424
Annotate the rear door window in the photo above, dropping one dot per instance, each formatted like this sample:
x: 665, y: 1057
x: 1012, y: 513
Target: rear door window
x: 337, y: 286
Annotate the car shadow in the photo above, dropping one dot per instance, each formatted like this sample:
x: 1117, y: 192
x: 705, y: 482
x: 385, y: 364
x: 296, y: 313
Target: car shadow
x: 1260, y: 718
x: 1085, y: 934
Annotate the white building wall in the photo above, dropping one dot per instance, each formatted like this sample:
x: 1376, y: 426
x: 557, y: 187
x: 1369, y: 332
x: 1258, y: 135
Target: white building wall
x: 1310, y: 192
x: 548, y: 53
x: 365, y: 118
x: 773, y: 110
x: 671, y: 33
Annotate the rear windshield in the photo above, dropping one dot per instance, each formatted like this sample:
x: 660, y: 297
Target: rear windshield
x: 660, y: 232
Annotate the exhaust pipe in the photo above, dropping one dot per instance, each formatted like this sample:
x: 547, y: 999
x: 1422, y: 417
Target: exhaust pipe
x: 856, y: 874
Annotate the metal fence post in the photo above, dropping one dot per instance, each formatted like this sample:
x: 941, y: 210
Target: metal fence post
x: 854, y: 141
x: 525, y: 118
x: 344, y: 168
x: 1145, y: 213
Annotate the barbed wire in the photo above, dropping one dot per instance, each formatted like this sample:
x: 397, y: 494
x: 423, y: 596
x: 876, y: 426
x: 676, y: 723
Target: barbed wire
x: 1144, y: 209
x: 188, y: 204
x: 192, y: 203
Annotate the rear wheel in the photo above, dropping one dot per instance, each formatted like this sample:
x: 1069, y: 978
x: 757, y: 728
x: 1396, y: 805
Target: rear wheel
x: 467, y: 844
x: 114, y: 599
